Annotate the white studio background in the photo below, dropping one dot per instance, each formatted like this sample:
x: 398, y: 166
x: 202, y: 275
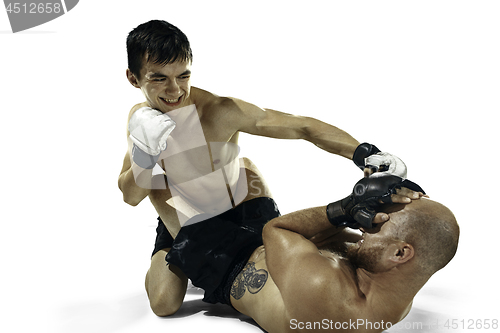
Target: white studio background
x: 418, y: 79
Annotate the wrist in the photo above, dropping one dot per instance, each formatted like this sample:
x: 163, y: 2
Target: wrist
x: 337, y: 213
x: 143, y: 159
x: 363, y: 151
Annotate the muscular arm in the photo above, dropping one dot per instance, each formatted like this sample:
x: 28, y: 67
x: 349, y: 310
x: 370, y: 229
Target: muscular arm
x: 286, y: 238
x: 303, y: 276
x: 306, y: 223
x: 275, y: 124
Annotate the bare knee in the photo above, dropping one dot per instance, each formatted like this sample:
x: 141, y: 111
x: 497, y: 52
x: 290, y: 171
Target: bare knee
x: 165, y: 292
x: 163, y: 306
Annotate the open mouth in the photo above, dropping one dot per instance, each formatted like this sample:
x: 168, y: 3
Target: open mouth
x: 172, y: 102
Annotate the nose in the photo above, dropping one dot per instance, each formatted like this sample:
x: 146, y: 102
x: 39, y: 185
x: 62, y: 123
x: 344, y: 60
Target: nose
x: 173, y: 89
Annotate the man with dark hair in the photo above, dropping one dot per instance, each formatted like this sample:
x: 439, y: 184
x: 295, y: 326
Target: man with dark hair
x: 197, y: 184
x: 157, y: 42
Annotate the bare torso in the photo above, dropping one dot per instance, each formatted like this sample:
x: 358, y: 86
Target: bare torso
x: 268, y: 308
x: 202, y: 172
x: 159, y: 198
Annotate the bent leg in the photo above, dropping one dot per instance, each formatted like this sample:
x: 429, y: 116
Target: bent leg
x: 165, y: 285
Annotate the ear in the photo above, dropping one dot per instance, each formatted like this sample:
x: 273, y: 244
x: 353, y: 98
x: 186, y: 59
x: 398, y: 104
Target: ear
x: 401, y: 253
x: 132, y: 79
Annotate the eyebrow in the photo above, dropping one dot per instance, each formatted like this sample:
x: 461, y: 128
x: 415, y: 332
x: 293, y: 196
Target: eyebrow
x: 158, y: 75
x: 155, y: 75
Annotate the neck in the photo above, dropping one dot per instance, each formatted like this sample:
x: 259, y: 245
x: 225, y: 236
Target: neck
x: 390, y: 294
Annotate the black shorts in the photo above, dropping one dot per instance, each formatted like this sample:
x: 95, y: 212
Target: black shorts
x: 163, y: 238
x: 213, y: 251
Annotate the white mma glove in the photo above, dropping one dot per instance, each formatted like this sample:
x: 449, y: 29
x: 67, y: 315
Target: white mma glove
x: 369, y: 156
x: 149, y: 130
x: 393, y: 165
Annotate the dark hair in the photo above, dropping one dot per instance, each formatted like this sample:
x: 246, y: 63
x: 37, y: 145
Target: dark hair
x: 156, y: 41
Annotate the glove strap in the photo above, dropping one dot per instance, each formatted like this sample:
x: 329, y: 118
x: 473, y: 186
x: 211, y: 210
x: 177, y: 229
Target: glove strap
x: 143, y: 159
x: 363, y: 151
x: 336, y: 213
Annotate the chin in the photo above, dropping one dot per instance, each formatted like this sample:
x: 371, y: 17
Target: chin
x: 368, y: 260
x: 352, y: 252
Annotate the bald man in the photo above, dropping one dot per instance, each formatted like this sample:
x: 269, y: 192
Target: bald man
x: 312, y: 276
x: 362, y: 283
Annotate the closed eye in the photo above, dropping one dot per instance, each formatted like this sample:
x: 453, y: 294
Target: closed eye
x: 156, y: 77
x: 185, y: 75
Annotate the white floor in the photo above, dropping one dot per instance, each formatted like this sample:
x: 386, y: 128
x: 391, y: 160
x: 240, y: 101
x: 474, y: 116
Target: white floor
x: 131, y: 314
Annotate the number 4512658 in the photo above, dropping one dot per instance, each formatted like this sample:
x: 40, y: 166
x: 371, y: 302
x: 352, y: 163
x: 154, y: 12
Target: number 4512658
x: 33, y: 8
x: 471, y: 324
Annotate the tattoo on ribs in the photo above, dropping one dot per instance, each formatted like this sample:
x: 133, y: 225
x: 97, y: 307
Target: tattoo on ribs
x: 249, y: 278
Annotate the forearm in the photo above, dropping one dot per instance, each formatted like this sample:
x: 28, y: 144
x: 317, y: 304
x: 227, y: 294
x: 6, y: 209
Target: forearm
x: 148, y: 130
x: 307, y: 222
x: 330, y: 138
x: 135, y: 184
x: 275, y: 124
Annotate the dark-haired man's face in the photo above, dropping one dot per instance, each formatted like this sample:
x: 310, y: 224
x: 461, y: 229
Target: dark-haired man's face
x: 166, y: 87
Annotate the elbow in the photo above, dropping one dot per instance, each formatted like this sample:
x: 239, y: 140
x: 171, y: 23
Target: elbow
x: 265, y: 230
x: 131, y: 201
x: 269, y: 229
x: 128, y: 196
x: 266, y: 233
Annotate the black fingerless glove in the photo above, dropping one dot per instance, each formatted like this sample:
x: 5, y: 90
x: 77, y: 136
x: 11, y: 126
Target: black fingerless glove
x: 369, y: 194
x: 363, y: 151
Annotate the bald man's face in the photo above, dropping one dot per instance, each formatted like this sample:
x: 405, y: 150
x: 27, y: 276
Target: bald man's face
x: 371, y: 252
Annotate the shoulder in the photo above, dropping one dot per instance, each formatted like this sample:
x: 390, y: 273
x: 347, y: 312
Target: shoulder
x: 135, y: 108
x: 217, y: 109
x: 211, y: 102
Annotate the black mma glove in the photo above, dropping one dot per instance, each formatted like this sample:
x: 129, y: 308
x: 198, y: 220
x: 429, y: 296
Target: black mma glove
x: 363, y: 151
x: 369, y: 194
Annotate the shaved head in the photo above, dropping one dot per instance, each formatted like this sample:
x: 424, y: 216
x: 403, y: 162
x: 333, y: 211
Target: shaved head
x: 431, y: 228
